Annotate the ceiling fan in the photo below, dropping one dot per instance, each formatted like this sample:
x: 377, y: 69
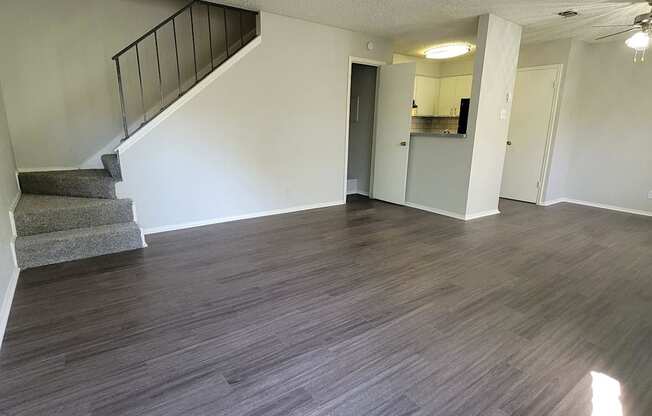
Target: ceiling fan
x: 640, y: 41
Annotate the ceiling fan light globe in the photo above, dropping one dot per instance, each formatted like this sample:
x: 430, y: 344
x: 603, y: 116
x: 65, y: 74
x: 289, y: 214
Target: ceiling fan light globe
x: 640, y: 41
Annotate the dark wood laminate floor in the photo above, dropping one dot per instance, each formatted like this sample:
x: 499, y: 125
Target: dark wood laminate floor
x: 369, y: 309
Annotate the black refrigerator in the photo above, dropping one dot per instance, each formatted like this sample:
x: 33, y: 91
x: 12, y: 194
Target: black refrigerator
x: 464, y: 115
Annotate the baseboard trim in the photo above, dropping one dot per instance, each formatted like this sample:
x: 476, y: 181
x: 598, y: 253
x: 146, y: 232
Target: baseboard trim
x: 457, y: 216
x: 12, y: 224
x: 609, y: 207
x: 192, y: 93
x: 437, y: 211
x: 598, y: 205
x: 194, y: 224
x: 478, y: 215
x: 553, y: 202
x: 7, y: 300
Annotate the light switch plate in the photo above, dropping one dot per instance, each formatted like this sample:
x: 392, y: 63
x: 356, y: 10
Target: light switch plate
x: 649, y: 195
x: 503, y: 114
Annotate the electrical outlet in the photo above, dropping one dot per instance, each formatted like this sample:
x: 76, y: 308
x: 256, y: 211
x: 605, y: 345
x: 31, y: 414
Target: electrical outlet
x: 649, y: 195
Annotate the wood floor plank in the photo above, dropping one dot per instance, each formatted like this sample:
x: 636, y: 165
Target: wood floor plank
x: 364, y: 309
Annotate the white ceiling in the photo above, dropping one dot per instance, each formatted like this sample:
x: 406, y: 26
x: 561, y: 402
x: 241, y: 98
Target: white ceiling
x: 414, y: 25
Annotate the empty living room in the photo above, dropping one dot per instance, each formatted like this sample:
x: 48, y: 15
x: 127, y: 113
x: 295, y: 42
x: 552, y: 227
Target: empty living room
x: 325, y: 208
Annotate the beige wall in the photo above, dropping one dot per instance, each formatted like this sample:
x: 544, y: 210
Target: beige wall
x: 8, y: 195
x: 59, y: 81
x: 601, y: 152
x: 267, y: 135
x: 425, y: 67
x: 456, y: 67
x: 611, y: 155
x: 439, y: 69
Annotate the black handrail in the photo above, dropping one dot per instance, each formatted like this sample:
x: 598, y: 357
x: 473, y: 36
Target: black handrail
x: 242, y: 41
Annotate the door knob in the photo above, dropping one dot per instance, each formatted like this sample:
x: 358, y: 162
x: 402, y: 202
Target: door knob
x: 403, y: 143
x: 509, y: 142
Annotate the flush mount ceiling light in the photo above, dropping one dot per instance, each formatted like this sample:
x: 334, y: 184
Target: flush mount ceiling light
x: 451, y: 50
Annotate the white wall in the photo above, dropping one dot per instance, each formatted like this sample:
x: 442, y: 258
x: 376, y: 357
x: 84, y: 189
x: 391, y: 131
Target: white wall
x: 611, y: 157
x: 8, y: 195
x: 425, y: 67
x: 363, y: 88
x: 267, y: 135
x: 499, y: 42
x: 59, y: 80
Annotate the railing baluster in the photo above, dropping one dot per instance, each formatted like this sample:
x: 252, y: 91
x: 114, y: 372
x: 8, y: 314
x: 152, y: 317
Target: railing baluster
x: 194, y: 49
x: 210, y: 35
x: 158, y: 64
x: 176, y: 51
x: 241, y: 31
x: 161, y: 53
x: 122, y: 98
x: 226, y: 32
x: 142, y: 90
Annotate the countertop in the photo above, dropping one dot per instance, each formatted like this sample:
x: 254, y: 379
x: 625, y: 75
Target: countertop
x: 438, y: 134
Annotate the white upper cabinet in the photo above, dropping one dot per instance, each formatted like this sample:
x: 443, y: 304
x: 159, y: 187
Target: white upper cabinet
x: 453, y: 89
x: 447, y: 97
x: 426, y: 95
x: 463, y: 86
x: 441, y: 96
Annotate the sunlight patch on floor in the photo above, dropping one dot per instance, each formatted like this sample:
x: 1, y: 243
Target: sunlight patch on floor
x: 606, y: 395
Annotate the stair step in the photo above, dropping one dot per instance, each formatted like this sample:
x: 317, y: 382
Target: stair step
x: 112, y: 165
x: 84, y: 183
x: 58, y: 247
x: 39, y: 214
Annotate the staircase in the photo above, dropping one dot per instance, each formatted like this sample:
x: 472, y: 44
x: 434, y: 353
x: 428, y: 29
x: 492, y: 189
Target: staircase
x: 169, y: 60
x: 73, y: 214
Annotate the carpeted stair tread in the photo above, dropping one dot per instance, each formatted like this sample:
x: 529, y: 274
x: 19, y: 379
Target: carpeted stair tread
x: 112, y: 165
x: 57, y: 247
x: 36, y: 214
x: 85, y: 183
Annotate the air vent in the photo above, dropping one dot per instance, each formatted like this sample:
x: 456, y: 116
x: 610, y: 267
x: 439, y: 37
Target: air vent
x: 568, y: 13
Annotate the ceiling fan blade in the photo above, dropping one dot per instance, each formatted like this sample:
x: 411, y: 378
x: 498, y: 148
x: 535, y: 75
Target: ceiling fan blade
x: 615, y: 25
x: 616, y: 34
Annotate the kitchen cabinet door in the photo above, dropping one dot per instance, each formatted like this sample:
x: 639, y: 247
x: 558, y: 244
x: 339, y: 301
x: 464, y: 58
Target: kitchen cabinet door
x: 463, y: 86
x: 426, y: 94
x: 447, y: 97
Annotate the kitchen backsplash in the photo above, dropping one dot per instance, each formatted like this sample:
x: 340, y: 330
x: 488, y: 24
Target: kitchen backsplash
x: 426, y: 124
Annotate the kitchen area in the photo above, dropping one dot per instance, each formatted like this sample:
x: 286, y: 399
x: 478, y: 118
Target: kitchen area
x: 442, y: 96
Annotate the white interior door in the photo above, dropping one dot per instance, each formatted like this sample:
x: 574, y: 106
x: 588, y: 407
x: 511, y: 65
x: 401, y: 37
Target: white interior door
x: 532, y: 115
x: 393, y: 119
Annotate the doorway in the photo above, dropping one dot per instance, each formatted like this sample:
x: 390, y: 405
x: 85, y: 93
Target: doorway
x: 362, y: 110
x: 384, y: 135
x: 530, y: 132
